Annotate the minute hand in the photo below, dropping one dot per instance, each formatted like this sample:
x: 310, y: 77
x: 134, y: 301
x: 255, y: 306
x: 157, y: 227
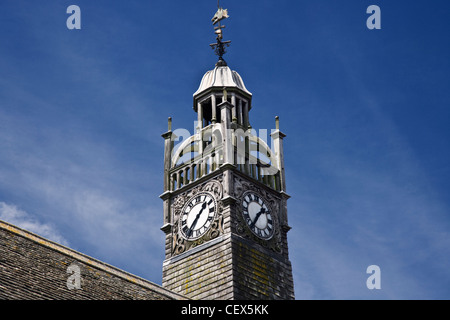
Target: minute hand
x: 257, y: 217
x: 196, y: 219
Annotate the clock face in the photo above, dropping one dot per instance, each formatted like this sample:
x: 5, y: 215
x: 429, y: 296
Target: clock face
x: 258, y: 216
x: 197, y: 216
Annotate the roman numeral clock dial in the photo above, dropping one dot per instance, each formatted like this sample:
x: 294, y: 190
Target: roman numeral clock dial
x: 197, y: 216
x: 257, y: 215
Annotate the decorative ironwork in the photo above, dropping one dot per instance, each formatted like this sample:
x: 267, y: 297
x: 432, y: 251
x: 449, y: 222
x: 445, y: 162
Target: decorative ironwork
x: 220, y: 46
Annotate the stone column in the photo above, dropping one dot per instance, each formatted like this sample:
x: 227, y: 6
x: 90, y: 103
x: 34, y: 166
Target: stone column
x: 277, y: 142
x: 225, y: 114
x: 168, y: 147
x: 199, y: 116
x: 213, y: 109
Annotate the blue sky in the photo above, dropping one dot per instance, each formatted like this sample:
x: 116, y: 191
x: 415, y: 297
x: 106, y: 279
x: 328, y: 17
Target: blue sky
x: 366, y: 113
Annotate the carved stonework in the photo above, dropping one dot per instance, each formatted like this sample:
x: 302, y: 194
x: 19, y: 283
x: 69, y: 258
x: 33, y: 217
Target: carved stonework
x: 240, y: 187
x: 213, y: 187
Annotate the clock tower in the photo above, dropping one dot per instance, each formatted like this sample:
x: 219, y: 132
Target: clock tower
x: 225, y: 200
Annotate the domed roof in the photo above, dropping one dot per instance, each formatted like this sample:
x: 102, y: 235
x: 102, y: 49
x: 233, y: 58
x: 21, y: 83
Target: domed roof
x: 219, y: 77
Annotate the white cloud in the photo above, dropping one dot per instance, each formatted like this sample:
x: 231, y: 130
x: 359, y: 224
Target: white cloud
x: 113, y: 224
x: 12, y: 214
x: 74, y: 181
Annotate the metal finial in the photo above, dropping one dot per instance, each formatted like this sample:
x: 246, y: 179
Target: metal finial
x: 219, y: 46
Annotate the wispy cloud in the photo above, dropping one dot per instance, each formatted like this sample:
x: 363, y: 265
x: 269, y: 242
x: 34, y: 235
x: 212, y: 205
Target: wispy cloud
x: 12, y: 214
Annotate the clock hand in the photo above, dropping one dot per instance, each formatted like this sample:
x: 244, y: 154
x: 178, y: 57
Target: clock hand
x: 257, y: 217
x: 196, y: 219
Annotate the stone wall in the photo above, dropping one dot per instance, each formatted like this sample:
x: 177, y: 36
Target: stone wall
x: 236, y: 265
x: 229, y: 268
x: 34, y: 268
x: 260, y: 274
x: 204, y: 272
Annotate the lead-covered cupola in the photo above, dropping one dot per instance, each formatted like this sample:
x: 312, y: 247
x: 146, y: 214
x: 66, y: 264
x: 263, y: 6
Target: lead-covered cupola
x: 211, y: 93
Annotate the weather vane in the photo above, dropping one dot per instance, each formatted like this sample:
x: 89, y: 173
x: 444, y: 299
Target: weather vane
x: 219, y: 46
